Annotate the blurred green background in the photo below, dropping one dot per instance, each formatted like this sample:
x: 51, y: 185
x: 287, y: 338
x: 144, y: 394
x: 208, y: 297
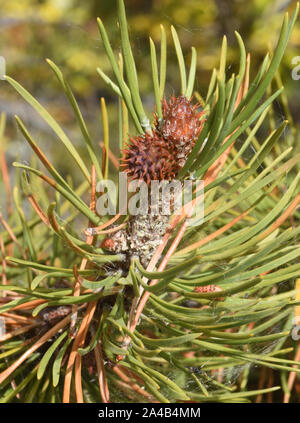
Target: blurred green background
x: 66, y: 32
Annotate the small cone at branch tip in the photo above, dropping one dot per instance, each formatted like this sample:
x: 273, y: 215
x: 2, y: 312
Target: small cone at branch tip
x: 161, y: 154
x: 181, y: 122
x: 149, y: 157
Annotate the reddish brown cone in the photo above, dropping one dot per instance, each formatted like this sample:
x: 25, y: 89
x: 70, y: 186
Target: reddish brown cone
x: 180, y: 126
x: 160, y: 155
x: 181, y: 122
x: 149, y: 157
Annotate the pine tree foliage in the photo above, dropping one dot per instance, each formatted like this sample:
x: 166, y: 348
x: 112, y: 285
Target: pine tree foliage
x: 215, y: 303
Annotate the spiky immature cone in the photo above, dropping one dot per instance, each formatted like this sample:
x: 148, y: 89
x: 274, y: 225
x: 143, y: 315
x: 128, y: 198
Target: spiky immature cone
x: 149, y: 157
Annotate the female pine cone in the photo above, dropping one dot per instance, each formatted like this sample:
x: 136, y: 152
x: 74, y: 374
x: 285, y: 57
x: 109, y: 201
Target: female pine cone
x: 149, y: 157
x: 160, y: 155
x: 180, y: 126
